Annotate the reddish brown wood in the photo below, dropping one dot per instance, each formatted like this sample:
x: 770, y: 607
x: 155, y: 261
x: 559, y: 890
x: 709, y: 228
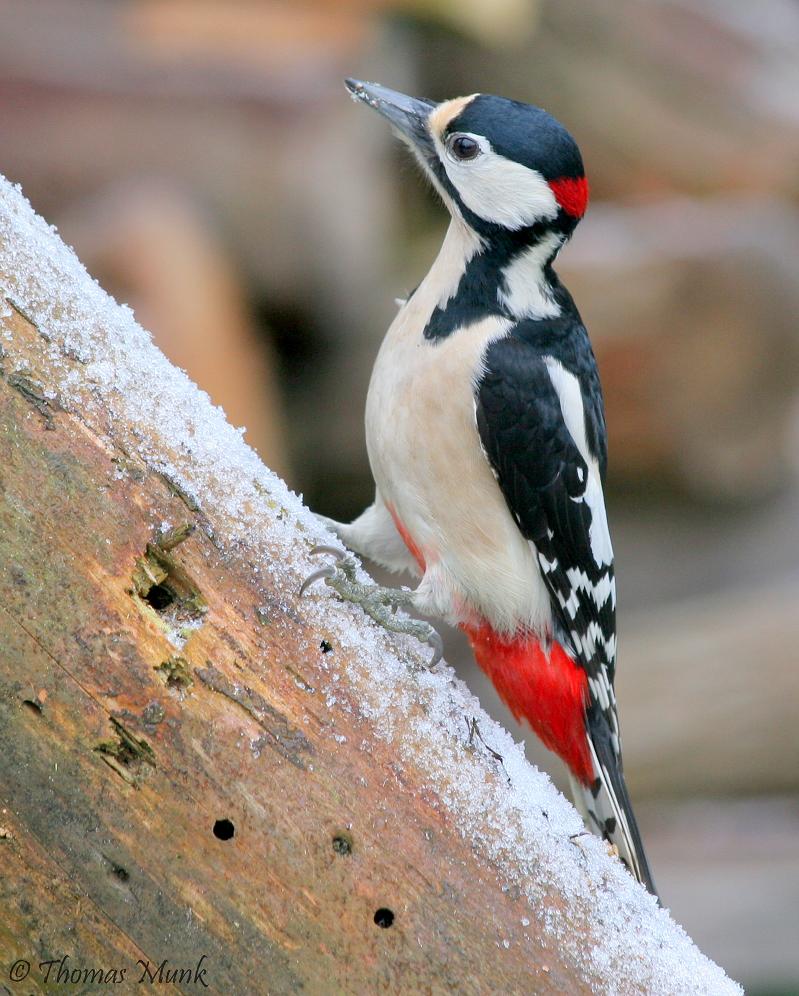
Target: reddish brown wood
x: 119, y: 754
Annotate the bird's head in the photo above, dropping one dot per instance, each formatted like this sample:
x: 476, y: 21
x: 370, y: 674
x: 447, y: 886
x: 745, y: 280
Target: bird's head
x: 501, y: 165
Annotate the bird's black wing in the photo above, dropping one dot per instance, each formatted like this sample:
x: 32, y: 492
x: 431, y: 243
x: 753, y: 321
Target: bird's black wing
x: 556, y: 500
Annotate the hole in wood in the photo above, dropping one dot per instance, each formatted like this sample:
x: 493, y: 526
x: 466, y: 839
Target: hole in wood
x: 119, y: 872
x: 160, y: 596
x: 161, y: 583
x: 224, y: 829
x: 384, y: 917
x: 175, y: 672
x: 342, y: 843
x: 33, y: 706
x: 325, y: 647
x: 129, y: 756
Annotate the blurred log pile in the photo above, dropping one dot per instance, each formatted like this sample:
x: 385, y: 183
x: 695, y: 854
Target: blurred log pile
x: 693, y: 306
x: 237, y: 112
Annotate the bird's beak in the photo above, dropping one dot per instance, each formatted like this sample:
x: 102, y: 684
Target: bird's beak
x: 408, y: 115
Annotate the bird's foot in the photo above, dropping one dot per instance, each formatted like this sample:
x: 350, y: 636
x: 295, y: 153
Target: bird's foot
x: 377, y: 602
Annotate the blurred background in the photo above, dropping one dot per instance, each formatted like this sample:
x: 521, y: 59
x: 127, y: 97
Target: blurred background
x: 203, y: 159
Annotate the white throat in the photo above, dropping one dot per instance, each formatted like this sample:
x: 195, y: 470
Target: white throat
x: 460, y: 244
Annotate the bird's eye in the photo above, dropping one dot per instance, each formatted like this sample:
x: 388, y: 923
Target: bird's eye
x: 463, y: 147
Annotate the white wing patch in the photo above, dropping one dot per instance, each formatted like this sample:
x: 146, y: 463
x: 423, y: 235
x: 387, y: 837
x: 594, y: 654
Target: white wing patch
x: 599, y: 534
x: 567, y: 388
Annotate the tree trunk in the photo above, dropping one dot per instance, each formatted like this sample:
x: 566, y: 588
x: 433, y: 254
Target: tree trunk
x: 197, y: 767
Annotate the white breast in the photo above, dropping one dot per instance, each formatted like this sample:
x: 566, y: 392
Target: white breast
x: 428, y: 463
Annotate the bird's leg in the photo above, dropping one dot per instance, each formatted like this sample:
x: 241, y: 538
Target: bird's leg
x: 376, y: 601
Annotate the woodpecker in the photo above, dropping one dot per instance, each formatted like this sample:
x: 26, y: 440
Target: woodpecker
x: 486, y: 437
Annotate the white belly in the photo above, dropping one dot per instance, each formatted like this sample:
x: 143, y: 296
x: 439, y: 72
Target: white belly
x: 428, y: 464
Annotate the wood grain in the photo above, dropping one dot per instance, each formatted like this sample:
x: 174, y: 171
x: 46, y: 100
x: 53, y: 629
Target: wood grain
x: 119, y: 753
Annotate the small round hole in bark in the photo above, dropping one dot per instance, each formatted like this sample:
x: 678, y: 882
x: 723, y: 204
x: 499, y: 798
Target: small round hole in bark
x: 342, y: 843
x: 325, y: 647
x: 224, y: 829
x: 160, y: 597
x: 119, y: 872
x: 384, y: 917
x: 33, y: 705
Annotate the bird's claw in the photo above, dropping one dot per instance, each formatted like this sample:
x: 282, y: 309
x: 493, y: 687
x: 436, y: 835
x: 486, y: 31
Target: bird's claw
x: 333, y: 551
x: 378, y: 603
x: 437, y: 644
x: 323, y: 572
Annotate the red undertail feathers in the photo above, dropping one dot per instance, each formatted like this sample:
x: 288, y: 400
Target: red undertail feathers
x: 549, y: 690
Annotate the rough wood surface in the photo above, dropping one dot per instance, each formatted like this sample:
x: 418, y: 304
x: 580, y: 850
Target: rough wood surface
x: 178, y: 782
x: 114, y: 773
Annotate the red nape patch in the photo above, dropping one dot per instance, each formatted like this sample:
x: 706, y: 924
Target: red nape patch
x: 550, y: 692
x: 572, y: 194
x: 407, y: 539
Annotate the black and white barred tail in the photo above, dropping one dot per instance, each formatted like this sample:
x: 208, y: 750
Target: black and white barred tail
x: 606, y: 808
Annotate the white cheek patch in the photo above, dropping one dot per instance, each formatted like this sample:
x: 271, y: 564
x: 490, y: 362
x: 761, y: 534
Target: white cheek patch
x: 500, y: 190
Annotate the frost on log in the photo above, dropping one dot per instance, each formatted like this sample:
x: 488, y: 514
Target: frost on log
x: 195, y: 763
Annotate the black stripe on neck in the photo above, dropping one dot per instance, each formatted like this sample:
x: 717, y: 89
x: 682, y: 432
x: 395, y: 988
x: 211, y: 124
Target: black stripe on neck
x: 476, y: 296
